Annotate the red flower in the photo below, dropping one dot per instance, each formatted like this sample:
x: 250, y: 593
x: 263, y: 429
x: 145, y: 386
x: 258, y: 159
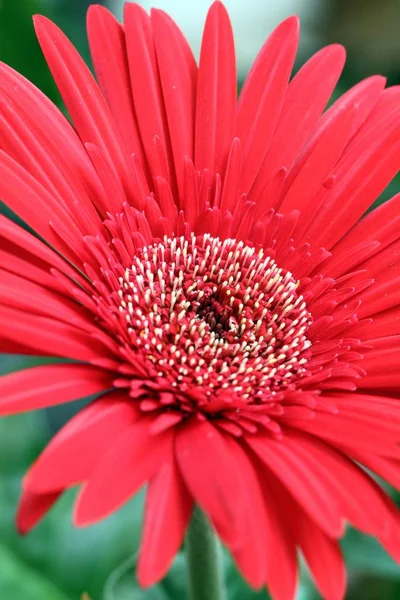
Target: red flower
x: 204, y: 265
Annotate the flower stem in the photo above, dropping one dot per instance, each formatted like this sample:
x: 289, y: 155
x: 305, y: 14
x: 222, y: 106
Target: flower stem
x: 203, y: 555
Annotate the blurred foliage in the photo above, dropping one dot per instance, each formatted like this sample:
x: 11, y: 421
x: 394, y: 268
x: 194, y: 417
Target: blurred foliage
x: 58, y: 562
x: 369, y: 32
x: 18, y: 41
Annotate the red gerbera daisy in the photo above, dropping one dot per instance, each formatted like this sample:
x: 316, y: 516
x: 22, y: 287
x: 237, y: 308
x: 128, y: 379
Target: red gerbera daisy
x: 202, y: 261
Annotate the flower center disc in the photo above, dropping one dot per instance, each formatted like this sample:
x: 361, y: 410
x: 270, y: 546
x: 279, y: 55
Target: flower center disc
x: 202, y: 312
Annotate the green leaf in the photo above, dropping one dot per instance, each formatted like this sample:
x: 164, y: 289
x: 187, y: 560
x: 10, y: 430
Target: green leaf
x: 129, y: 590
x: 364, y: 555
x: 20, y: 582
x: 18, y: 44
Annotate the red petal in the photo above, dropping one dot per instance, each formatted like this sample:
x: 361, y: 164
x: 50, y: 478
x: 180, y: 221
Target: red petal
x: 216, y: 92
x: 363, y: 96
x: 30, y: 201
x: 261, y: 99
x: 131, y: 461
x: 49, y: 337
x: 388, y: 469
x: 24, y: 142
x: 322, y: 554
x: 10, y: 347
x: 81, y: 94
x: 282, y: 567
x: 300, y: 479
x: 306, y: 97
x: 48, y: 120
x: 112, y: 184
x: 319, y: 164
x: 48, y: 385
x: 384, y: 323
x: 167, y: 512
x: 324, y: 559
x: 210, y: 474
x: 146, y: 89
x: 28, y: 267
x: 77, y: 448
x: 349, y: 431
x: 178, y: 74
x: 24, y: 295
x: 359, y: 499
x: 382, y: 225
x: 233, y: 176
x: 362, y: 174
x: 165, y: 420
x: 386, y: 411
x: 32, y: 507
x: 381, y: 364
x: 107, y: 47
x: 253, y: 556
x: 33, y: 250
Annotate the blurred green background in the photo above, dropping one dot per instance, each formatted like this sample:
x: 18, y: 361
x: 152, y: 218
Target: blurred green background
x: 55, y: 561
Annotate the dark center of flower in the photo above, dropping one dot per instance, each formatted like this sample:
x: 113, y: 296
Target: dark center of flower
x: 216, y: 314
